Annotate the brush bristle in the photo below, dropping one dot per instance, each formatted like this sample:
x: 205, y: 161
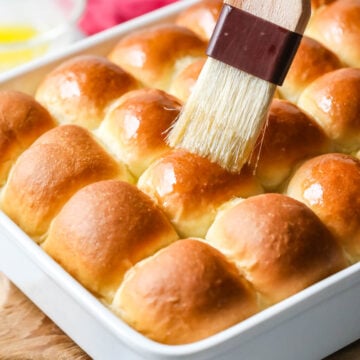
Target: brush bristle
x: 223, y: 116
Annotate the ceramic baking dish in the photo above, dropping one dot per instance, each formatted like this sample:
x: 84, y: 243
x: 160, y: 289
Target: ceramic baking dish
x: 309, y: 325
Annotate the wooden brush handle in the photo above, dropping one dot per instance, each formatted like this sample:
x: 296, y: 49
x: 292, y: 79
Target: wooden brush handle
x: 290, y: 14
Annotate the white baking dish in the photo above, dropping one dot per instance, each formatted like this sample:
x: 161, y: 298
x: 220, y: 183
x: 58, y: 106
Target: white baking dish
x: 310, y: 325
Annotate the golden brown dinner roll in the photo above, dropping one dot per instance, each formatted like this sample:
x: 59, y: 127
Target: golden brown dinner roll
x: 330, y: 186
x: 154, y: 55
x: 184, y: 82
x: 103, y: 230
x: 288, y: 136
x: 80, y: 90
x: 22, y: 121
x: 135, y: 128
x: 278, y: 243
x: 334, y: 102
x: 311, y: 61
x: 201, y: 17
x: 190, y: 188
x: 337, y: 26
x: 184, y: 293
x: 53, y: 168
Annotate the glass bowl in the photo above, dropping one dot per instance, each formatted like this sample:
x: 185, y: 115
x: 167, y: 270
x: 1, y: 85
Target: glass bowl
x: 31, y: 28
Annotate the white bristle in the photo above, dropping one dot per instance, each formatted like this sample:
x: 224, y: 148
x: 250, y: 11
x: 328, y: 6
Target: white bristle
x: 223, y: 117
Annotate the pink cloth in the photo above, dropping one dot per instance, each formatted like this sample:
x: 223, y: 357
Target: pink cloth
x: 102, y: 14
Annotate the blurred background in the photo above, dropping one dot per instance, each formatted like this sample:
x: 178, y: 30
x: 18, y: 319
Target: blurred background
x: 32, y: 28
x: 102, y: 14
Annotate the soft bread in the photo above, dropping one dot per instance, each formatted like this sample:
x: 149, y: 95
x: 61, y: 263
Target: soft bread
x: 190, y: 188
x: 154, y: 55
x: 22, y: 121
x: 278, y: 243
x: 201, y: 17
x: 136, y: 126
x: 80, y: 90
x: 54, y: 167
x: 289, y: 136
x: 312, y: 60
x: 184, y: 82
x: 337, y: 26
x: 330, y: 186
x: 333, y: 100
x: 103, y: 230
x: 184, y: 293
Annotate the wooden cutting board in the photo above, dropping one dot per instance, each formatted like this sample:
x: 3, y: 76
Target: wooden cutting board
x: 27, y: 334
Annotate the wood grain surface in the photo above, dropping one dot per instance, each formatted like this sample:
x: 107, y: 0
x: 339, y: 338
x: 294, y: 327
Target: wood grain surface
x: 27, y: 334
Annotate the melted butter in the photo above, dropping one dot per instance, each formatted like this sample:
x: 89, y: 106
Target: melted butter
x: 12, y: 51
x: 16, y: 33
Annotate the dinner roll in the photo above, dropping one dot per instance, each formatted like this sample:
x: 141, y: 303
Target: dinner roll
x: 288, y: 136
x: 278, y: 243
x: 135, y: 128
x: 337, y: 26
x: 103, y: 230
x: 311, y: 61
x: 330, y: 186
x: 53, y: 168
x: 201, y: 17
x: 22, y: 121
x: 184, y: 82
x: 154, y: 55
x: 334, y: 102
x: 184, y: 293
x: 190, y: 188
x: 80, y: 90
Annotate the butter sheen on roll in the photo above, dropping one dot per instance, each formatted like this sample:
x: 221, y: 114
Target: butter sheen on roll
x: 312, y: 60
x: 80, y: 90
x: 22, y: 121
x: 184, y: 293
x: 333, y: 100
x: 190, y: 188
x: 184, y: 82
x: 288, y: 137
x: 136, y: 126
x: 278, y: 243
x: 201, y: 17
x: 337, y: 26
x: 103, y: 230
x: 53, y: 168
x: 156, y: 54
x: 330, y: 185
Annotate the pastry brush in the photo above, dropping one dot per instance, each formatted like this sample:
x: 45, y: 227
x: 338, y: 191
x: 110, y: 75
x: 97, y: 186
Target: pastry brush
x: 250, y: 53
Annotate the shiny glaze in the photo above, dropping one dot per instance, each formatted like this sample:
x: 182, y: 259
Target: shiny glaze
x: 151, y: 54
x: 290, y: 135
x: 135, y: 128
x: 201, y: 18
x: 81, y: 89
x: 311, y: 61
x: 330, y: 185
x: 334, y: 101
x: 278, y: 243
x: 337, y: 26
x: 190, y: 188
